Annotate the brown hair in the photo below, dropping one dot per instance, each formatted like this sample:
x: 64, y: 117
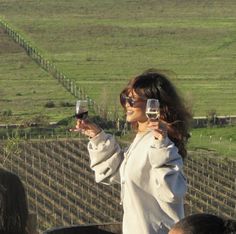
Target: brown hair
x: 153, y: 84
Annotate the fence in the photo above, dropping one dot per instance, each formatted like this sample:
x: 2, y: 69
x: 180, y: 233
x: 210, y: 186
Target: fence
x: 48, y: 66
x: 204, y: 121
x: 212, y: 184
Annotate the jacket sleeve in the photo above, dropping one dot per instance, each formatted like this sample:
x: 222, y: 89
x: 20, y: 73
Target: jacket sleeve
x: 167, y: 179
x: 105, y: 158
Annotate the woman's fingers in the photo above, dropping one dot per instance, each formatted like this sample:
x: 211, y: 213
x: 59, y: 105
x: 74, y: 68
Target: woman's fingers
x: 159, y: 129
x: 87, y: 128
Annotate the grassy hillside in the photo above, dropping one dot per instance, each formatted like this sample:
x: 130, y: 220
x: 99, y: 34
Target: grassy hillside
x: 101, y: 44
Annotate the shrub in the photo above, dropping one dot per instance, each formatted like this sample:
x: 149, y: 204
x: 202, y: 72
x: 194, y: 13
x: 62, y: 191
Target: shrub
x: 66, y: 104
x: 50, y: 104
x: 7, y: 112
x: 39, y: 120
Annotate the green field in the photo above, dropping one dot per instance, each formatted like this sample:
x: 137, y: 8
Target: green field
x: 25, y: 88
x: 101, y: 44
x: 221, y: 141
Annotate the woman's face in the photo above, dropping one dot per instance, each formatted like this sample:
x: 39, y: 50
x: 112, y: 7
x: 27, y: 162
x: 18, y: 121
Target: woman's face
x: 135, y: 112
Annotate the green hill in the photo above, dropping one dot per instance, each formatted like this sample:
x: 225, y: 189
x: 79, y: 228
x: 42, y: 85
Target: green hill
x: 101, y: 44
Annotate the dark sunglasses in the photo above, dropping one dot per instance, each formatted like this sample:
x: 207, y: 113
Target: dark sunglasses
x: 124, y: 99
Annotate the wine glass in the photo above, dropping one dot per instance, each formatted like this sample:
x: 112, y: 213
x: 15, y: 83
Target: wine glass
x: 153, y: 109
x: 81, y: 110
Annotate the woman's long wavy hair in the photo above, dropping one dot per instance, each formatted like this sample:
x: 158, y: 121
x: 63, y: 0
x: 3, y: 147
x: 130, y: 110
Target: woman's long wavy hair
x: 13, y: 204
x: 153, y: 84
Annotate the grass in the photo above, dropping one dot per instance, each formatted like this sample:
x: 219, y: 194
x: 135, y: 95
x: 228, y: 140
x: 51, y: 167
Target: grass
x: 25, y: 88
x: 220, y: 140
x: 102, y: 44
x: 108, y: 42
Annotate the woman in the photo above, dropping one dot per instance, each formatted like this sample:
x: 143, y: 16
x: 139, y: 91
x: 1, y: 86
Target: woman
x: 150, y: 170
x: 13, y: 204
x: 204, y: 224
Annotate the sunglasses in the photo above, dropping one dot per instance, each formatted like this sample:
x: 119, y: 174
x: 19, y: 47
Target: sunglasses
x: 125, y: 99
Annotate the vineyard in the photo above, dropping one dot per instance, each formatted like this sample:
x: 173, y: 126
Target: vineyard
x: 61, y: 189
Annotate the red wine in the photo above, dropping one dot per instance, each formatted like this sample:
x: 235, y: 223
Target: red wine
x: 81, y: 115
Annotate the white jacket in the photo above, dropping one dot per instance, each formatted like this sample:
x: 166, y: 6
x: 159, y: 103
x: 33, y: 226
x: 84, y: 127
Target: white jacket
x: 152, y: 182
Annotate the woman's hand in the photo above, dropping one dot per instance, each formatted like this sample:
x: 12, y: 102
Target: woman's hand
x: 159, y: 129
x: 87, y: 128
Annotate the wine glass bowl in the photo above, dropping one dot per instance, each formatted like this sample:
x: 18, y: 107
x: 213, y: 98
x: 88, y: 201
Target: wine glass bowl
x: 81, y: 109
x: 153, y: 109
